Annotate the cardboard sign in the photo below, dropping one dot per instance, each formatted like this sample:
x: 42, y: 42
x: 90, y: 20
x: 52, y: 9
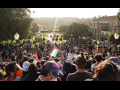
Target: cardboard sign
x: 103, y: 49
x: 94, y: 50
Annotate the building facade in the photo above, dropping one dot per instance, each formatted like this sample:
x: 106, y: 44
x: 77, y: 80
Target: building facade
x: 104, y: 26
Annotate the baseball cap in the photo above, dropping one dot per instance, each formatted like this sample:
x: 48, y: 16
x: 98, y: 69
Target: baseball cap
x: 115, y: 60
x: 25, y: 66
x: 51, y: 66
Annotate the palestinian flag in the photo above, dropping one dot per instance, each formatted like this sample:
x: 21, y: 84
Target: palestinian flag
x: 55, y: 51
x: 35, y: 60
x: 108, y: 54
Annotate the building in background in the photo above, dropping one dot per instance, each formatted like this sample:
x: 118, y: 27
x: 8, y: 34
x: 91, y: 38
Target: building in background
x: 104, y: 26
x: 40, y: 27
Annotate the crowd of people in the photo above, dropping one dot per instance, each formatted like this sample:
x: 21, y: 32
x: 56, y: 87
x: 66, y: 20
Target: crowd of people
x: 74, y: 62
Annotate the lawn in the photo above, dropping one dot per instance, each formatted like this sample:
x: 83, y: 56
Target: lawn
x: 45, y: 35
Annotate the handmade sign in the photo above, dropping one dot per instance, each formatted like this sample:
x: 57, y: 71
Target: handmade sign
x: 100, y: 50
x: 94, y: 50
x: 103, y: 49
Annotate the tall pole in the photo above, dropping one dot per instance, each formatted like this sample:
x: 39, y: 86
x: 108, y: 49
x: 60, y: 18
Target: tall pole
x: 33, y: 14
x: 116, y: 45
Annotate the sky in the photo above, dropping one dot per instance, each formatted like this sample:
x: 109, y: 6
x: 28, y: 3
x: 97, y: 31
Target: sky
x: 73, y: 12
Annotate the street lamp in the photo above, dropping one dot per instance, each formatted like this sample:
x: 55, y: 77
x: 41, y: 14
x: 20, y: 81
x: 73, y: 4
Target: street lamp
x: 116, y: 36
x: 99, y: 38
x: 16, y: 36
x: 33, y: 13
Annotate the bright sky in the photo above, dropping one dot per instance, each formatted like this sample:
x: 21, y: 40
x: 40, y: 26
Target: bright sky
x: 73, y: 12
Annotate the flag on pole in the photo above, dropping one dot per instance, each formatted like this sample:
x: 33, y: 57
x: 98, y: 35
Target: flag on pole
x: 55, y: 51
x: 35, y: 60
x: 108, y: 54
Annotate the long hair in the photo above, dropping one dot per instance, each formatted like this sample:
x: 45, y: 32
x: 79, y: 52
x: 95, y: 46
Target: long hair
x: 106, y: 71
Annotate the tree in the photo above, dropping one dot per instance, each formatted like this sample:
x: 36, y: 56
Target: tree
x: 63, y: 28
x: 94, y: 18
x: 111, y: 38
x: 35, y: 27
x: 118, y: 15
x: 14, y: 20
x: 77, y: 30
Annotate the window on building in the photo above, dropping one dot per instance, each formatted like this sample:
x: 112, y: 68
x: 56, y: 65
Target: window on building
x: 114, y: 23
x: 108, y: 29
x: 110, y: 23
x: 112, y: 29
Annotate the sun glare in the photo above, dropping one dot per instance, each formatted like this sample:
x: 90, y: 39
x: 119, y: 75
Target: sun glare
x: 73, y: 12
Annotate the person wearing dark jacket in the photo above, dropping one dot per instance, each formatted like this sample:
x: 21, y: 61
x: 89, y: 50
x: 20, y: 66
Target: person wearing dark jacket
x: 32, y: 73
x: 67, y: 68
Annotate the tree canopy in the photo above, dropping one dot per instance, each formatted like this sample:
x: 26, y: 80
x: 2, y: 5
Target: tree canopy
x: 35, y: 27
x: 77, y: 29
x: 14, y: 20
x: 63, y: 28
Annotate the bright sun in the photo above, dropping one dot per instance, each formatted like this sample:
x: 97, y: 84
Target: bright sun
x: 73, y: 12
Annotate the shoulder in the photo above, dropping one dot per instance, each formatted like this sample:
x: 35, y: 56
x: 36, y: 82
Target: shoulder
x: 6, y: 79
x: 72, y: 74
x: 17, y: 79
x: 93, y: 65
x: 90, y: 73
x: 88, y: 80
x: 38, y: 79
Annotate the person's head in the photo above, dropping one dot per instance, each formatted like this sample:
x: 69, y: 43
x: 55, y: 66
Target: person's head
x: 31, y: 60
x: 50, y: 71
x: 43, y: 61
x: 98, y: 57
x: 113, y: 55
x: 39, y: 65
x: 88, y: 66
x: 32, y: 69
x: 106, y: 71
x: 25, y: 59
x: 82, y: 54
x: 47, y: 58
x: 67, y: 67
x: 117, y: 54
x: 80, y: 62
x: 25, y: 66
x: 12, y: 70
